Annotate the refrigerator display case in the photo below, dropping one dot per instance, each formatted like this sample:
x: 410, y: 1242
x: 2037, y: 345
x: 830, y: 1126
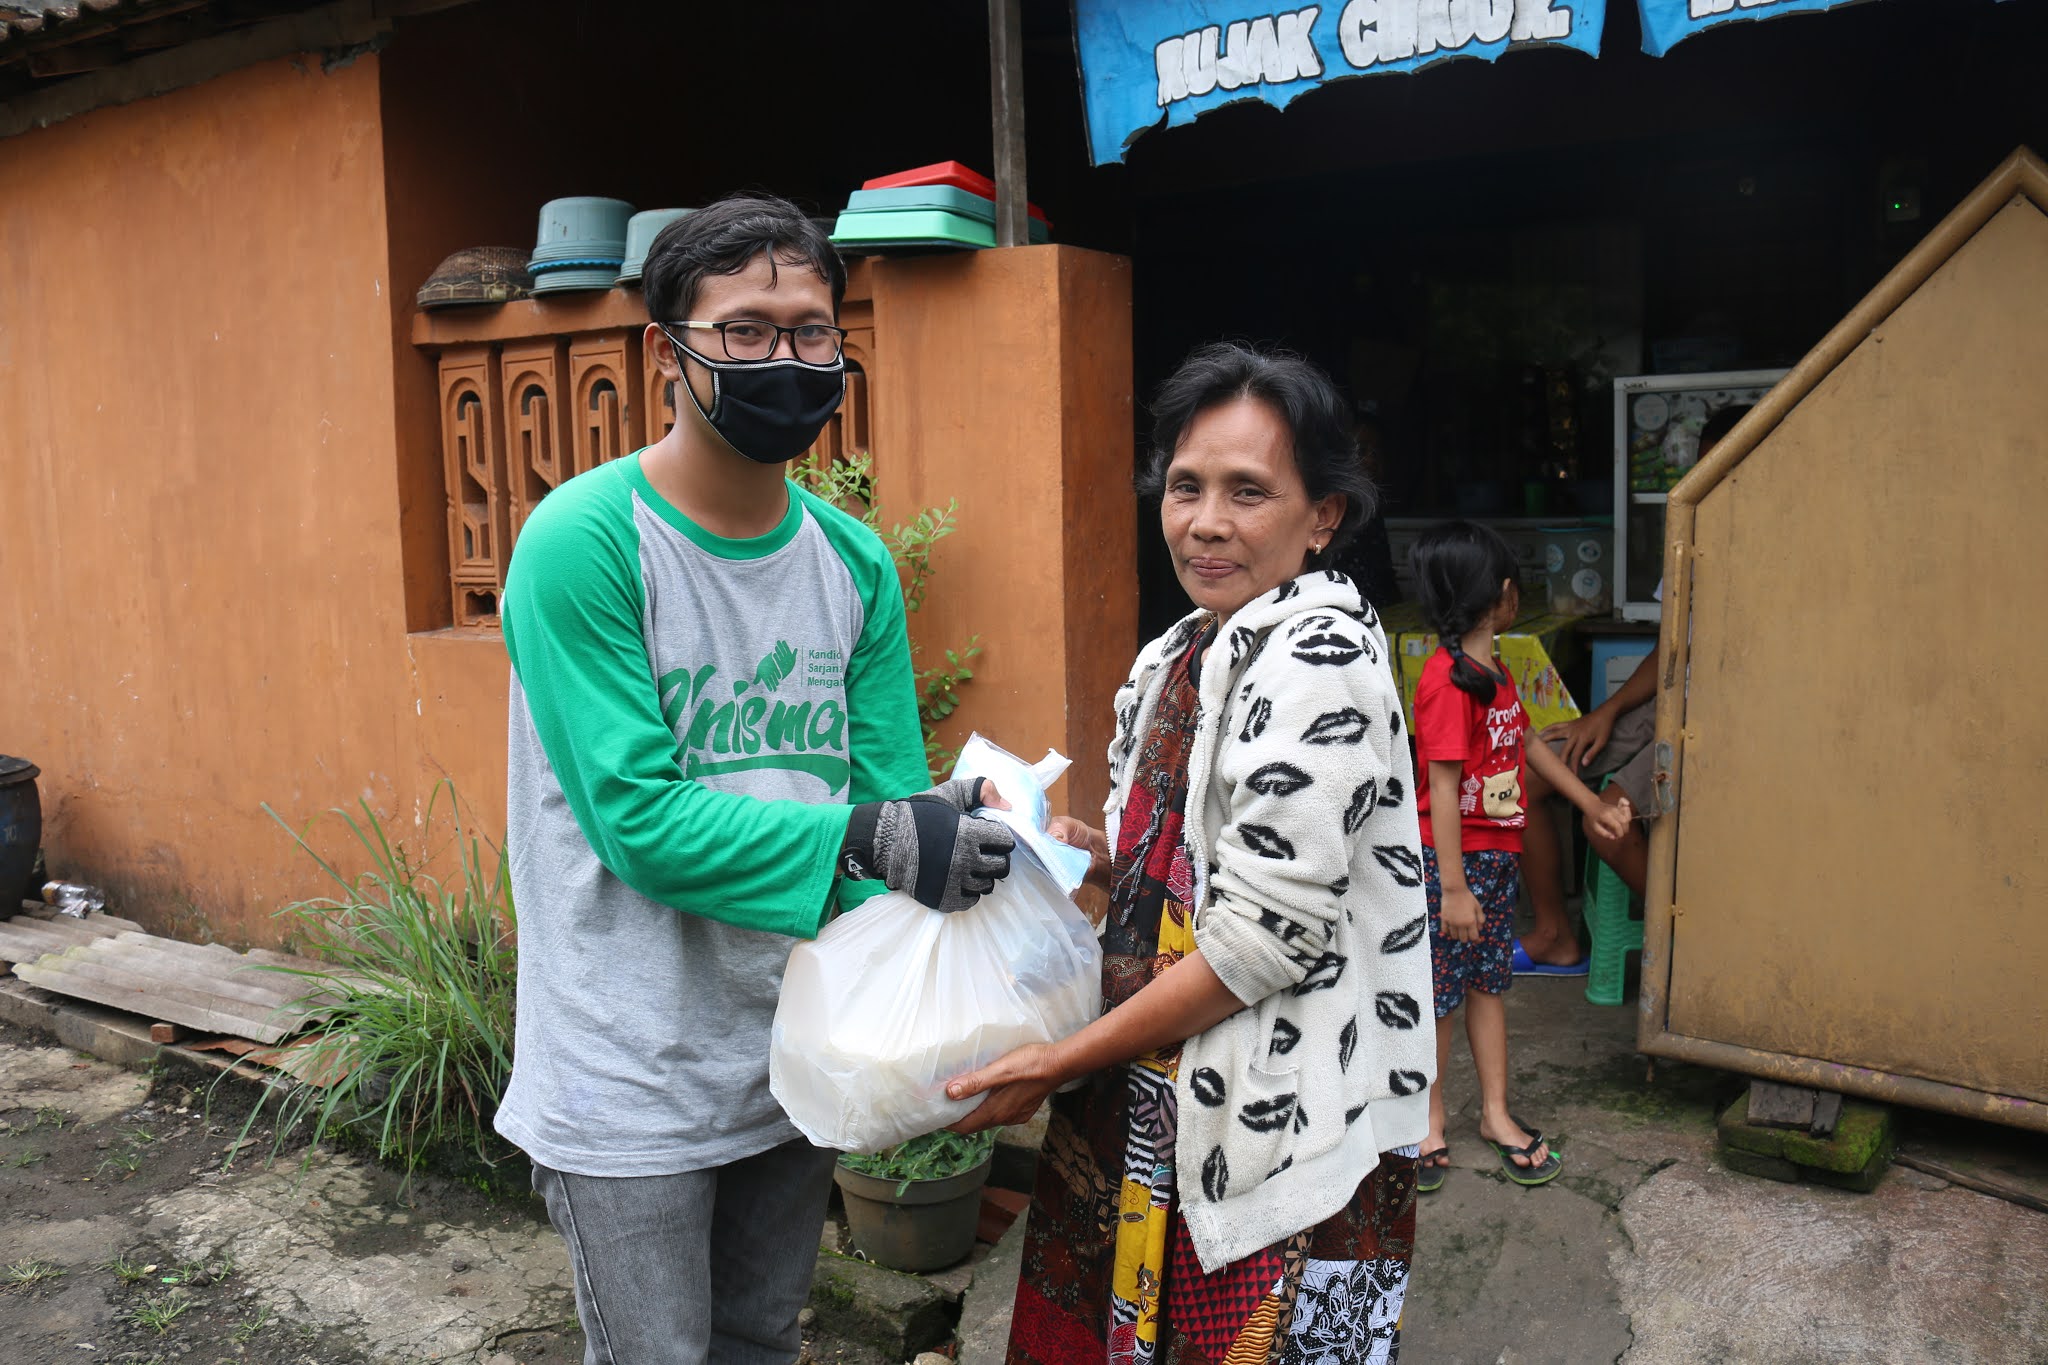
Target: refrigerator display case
x: 1657, y: 422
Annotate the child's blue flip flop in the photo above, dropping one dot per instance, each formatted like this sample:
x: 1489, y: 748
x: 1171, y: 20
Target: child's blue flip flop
x: 1524, y: 965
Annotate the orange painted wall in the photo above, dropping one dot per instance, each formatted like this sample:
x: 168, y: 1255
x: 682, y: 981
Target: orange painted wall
x: 202, y: 606
x: 220, y: 475
x: 1008, y: 386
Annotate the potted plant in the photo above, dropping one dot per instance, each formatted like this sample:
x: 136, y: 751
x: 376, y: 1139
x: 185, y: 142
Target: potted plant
x: 914, y: 1206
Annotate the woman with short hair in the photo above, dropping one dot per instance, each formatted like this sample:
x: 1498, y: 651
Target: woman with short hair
x: 1234, y: 1179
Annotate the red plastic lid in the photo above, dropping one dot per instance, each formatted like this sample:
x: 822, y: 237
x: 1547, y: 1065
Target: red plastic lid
x: 944, y: 173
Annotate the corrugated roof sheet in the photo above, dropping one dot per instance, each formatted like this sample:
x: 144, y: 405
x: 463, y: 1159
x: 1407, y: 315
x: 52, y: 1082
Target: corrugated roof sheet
x: 46, y: 41
x: 17, y: 17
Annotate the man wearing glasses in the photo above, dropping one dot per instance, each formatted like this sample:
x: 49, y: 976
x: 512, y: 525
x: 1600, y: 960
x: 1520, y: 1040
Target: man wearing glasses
x: 713, y: 741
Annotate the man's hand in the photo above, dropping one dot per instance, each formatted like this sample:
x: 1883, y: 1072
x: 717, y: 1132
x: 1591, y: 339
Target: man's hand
x: 927, y: 845
x: 1579, y: 740
x: 1611, y: 821
x: 1460, y: 915
x: 969, y: 794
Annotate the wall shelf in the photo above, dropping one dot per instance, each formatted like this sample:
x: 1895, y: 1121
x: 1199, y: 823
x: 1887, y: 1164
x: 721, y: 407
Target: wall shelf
x: 573, y: 314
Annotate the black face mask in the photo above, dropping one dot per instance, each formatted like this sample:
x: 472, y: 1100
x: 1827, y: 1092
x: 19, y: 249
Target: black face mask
x: 770, y: 411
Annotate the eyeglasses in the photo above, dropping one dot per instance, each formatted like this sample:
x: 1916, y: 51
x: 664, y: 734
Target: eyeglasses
x: 814, y: 343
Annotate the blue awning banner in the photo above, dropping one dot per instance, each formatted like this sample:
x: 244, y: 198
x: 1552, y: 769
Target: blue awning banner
x: 1668, y: 22
x: 1143, y: 60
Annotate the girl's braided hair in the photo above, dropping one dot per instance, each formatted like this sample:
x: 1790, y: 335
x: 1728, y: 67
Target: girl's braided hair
x: 1459, y: 567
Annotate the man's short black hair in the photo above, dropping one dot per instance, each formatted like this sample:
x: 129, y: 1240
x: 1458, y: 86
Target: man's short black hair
x: 723, y: 239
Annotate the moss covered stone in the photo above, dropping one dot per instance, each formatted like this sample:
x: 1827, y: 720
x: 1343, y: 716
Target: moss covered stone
x: 896, y: 1314
x: 1863, y: 1181
x: 1862, y: 1138
x: 1749, y: 1163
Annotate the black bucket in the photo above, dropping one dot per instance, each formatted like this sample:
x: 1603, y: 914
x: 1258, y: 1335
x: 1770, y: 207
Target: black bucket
x: 21, y: 833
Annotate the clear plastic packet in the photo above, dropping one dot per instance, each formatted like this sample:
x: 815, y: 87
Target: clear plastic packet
x: 1024, y: 785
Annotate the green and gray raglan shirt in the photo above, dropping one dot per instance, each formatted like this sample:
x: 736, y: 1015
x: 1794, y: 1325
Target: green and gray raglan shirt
x: 690, y: 717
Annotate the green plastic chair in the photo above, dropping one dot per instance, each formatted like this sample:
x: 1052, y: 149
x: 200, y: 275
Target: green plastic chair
x: 1614, y: 934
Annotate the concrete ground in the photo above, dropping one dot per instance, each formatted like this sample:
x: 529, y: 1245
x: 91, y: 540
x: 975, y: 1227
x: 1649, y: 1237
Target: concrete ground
x: 112, y: 1182
x: 1645, y: 1250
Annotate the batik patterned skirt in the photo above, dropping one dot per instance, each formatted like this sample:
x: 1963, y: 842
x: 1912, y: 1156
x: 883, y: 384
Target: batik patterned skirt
x: 1110, y: 1274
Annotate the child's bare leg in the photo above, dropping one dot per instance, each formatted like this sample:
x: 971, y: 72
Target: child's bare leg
x: 1437, y: 1123
x: 1486, y: 1028
x: 1551, y: 940
x: 1629, y: 855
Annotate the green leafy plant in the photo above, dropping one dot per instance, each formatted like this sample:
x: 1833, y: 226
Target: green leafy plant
x: 934, y: 1156
x: 30, y: 1271
x: 848, y: 483
x: 52, y: 1116
x: 416, y: 986
x: 158, y: 1312
x: 28, y: 1159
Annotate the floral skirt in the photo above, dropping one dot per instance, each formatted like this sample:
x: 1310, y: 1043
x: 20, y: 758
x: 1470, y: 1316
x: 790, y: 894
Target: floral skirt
x: 1329, y: 1295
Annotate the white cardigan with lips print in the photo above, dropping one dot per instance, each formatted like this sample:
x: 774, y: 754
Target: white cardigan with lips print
x: 1309, y: 906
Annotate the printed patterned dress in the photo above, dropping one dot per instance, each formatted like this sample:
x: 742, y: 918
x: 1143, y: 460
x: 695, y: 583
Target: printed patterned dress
x: 1110, y: 1274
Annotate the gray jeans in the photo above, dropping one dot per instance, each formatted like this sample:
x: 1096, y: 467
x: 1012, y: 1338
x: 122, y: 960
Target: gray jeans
x: 705, y: 1267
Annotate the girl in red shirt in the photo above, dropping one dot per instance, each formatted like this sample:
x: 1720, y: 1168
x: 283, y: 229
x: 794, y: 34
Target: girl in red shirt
x: 1469, y: 732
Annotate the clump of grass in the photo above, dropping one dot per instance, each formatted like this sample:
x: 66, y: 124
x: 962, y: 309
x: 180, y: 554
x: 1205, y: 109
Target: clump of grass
x: 934, y: 1156
x: 51, y: 1116
x: 201, y: 1273
x: 416, y: 984
x: 246, y: 1330
x: 127, y: 1163
x: 28, y: 1159
x: 158, y: 1312
x: 127, y: 1271
x: 31, y: 1271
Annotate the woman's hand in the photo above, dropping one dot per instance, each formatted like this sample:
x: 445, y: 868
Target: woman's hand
x: 1460, y: 915
x: 1582, y: 738
x: 1078, y: 834
x: 1073, y: 833
x: 1015, y: 1083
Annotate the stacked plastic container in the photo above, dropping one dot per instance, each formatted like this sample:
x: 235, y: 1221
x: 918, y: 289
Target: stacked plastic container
x: 641, y: 230
x: 581, y: 244
x: 942, y: 205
